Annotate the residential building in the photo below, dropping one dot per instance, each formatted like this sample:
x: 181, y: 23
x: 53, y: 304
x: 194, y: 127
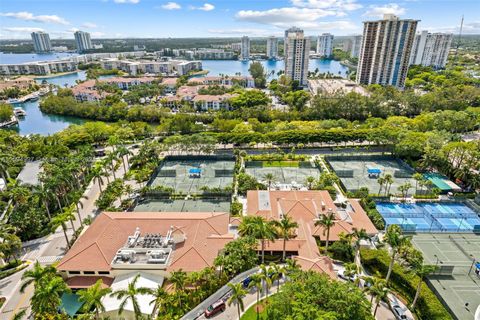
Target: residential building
x: 385, y: 51
x: 41, y: 42
x: 236, y: 46
x: 356, y: 45
x: 245, y: 50
x: 213, y: 54
x: 297, y: 48
x: 244, y: 81
x: 118, y: 243
x: 431, y: 49
x: 87, y: 91
x: 39, y: 67
x: 204, y: 102
x: 83, y: 41
x: 20, y: 83
x: 308, y: 207
x: 272, y: 47
x: 325, y: 45
x: 168, y: 67
x: 334, y: 86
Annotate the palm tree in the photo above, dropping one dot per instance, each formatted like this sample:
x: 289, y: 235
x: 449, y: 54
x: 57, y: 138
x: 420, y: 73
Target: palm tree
x: 418, y: 177
x: 123, y: 152
x: 43, y: 195
x: 357, y: 236
x: 285, y: 227
x: 276, y: 271
x: 266, y: 273
x: 309, y: 182
x: 388, y: 183
x: 381, y: 181
x: 35, y: 275
x: 421, y: 270
x: 97, y: 174
x: 256, y: 282
x: 92, y: 298
x: 404, y: 189
x: 237, y: 295
x: 46, y: 296
x: 269, y: 178
x: 394, y: 237
x: 326, y: 221
x: 131, y: 294
x: 258, y: 228
x: 379, y: 292
x: 351, y: 270
x: 292, y: 266
x: 179, y: 280
x: 59, y: 220
x: 158, y: 301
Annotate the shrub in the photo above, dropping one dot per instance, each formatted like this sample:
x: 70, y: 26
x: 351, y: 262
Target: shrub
x: 428, y: 305
x: 342, y: 250
x: 236, y: 208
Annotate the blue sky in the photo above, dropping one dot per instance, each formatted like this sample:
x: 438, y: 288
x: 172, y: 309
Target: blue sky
x: 222, y: 18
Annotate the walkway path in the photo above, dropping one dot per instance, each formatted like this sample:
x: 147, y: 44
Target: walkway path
x: 46, y: 250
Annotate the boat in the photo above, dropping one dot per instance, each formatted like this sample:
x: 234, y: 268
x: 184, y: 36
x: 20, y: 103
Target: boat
x: 19, y: 112
x: 34, y: 97
x: 13, y: 100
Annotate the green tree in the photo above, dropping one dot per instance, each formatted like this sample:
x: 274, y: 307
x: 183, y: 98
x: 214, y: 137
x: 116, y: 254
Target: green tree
x: 258, y: 74
x: 326, y: 221
x: 258, y: 228
x: 237, y: 296
x: 285, y: 230
x: 46, y: 297
x: 159, y: 300
x: 256, y: 281
x: 421, y: 271
x: 269, y: 179
x: 92, y: 298
x: 131, y: 294
x: 6, y: 112
x: 395, y: 239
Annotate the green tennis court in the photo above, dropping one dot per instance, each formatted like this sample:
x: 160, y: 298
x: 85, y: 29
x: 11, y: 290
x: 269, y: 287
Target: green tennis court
x: 167, y: 205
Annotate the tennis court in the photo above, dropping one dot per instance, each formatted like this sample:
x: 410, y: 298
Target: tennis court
x: 297, y: 172
x: 358, y: 171
x: 167, y: 205
x: 190, y: 175
x: 430, y: 217
x: 455, y: 282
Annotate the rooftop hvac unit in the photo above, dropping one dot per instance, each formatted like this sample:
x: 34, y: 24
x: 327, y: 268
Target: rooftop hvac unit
x: 157, y: 256
x: 126, y: 255
x: 323, y: 205
x: 132, y: 240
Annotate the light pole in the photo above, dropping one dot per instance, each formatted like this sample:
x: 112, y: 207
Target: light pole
x: 473, y: 263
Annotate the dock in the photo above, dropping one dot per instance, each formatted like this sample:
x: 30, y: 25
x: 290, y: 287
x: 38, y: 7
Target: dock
x: 13, y: 121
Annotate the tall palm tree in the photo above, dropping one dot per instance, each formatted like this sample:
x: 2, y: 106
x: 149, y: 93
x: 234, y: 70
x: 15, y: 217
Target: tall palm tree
x: 35, y: 275
x: 285, y: 227
x: 92, y: 298
x: 266, y: 277
x: 309, y: 182
x: 179, y: 280
x: 237, y: 295
x: 418, y: 177
x: 44, y: 196
x: 269, y: 178
x: 97, y: 174
x: 159, y: 297
x: 46, y: 297
x: 381, y: 182
x: 388, y: 183
x: 379, y: 292
x: 258, y: 228
x: 327, y: 221
x: 256, y: 282
x: 59, y: 220
x: 131, y: 294
x: 357, y: 236
x: 421, y: 270
x: 276, y: 271
x: 395, y: 238
x: 292, y: 266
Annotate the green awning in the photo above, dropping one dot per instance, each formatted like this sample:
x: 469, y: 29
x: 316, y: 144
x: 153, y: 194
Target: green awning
x: 70, y: 304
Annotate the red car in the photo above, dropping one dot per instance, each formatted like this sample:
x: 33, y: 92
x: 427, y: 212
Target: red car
x: 215, y: 308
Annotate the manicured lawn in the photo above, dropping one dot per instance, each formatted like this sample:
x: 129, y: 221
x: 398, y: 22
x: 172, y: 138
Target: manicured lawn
x: 267, y: 164
x: 251, y: 314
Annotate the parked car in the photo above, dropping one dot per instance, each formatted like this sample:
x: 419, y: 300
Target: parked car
x: 246, y: 282
x: 215, y: 308
x: 398, y: 312
x: 341, y: 274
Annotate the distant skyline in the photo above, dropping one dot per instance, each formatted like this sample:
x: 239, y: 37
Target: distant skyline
x: 223, y: 18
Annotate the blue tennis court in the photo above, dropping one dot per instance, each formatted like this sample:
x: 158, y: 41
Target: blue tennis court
x: 430, y: 217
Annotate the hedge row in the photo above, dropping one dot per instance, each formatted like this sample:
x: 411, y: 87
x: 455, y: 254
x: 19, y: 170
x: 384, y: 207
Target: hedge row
x: 428, y: 306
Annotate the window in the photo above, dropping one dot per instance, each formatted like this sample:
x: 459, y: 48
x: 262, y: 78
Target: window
x: 88, y: 272
x: 73, y: 272
x: 103, y: 272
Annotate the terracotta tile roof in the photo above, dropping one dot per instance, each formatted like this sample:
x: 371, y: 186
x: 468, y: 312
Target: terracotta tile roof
x: 307, y: 206
x: 322, y: 264
x: 81, y: 282
x: 206, y: 233
x: 212, y: 98
x: 169, y: 81
x: 127, y: 80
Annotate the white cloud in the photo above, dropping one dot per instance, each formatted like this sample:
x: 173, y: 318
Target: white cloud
x: 171, y: 6
x: 379, y: 11
x: 28, y: 16
x: 468, y: 28
x: 282, y: 17
x: 127, y: 1
x: 23, y: 29
x: 89, y: 25
x: 347, y: 5
x: 205, y: 7
x: 240, y: 31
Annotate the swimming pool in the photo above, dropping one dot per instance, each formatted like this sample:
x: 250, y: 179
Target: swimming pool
x: 430, y: 217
